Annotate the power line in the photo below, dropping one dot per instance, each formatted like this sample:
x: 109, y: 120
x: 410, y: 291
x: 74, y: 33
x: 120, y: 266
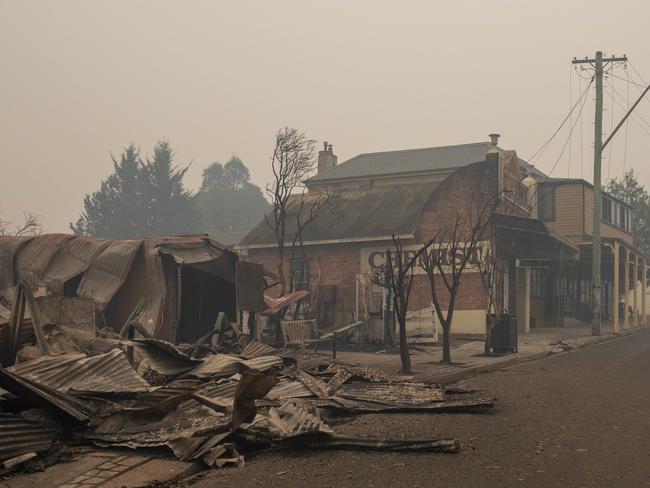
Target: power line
x: 543, y: 146
x: 627, y: 122
x: 582, y: 106
x: 634, y: 114
x: 581, y: 131
x: 570, y: 112
x: 638, y: 85
x: 638, y: 74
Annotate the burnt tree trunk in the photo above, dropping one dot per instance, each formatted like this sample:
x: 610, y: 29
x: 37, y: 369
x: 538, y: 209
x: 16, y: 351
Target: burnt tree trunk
x: 403, y: 346
x: 446, y: 342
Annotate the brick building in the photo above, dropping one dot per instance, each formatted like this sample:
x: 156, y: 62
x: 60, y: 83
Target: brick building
x: 413, y: 194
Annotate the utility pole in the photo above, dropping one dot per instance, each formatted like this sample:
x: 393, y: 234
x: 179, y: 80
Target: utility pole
x: 598, y: 63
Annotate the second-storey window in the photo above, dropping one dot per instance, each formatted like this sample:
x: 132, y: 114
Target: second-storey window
x: 546, y: 202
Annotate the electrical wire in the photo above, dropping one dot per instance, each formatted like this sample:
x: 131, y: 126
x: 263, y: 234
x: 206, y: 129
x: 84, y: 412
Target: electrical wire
x: 583, y: 99
x: 543, y: 146
x: 635, y: 115
x: 581, y: 130
x: 611, y: 121
x: 570, y: 112
x: 627, y: 122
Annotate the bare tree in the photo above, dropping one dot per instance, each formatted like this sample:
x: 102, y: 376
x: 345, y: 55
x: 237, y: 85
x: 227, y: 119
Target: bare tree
x: 31, y: 226
x: 292, y: 162
x: 447, y: 256
x: 397, y: 275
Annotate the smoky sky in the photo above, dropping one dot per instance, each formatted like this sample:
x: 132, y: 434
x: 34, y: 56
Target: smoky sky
x: 82, y: 79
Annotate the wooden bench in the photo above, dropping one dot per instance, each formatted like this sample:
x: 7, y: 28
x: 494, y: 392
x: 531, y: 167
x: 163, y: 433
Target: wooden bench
x: 303, y: 333
x: 299, y: 333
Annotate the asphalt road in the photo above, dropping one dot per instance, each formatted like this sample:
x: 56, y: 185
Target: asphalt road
x: 577, y: 419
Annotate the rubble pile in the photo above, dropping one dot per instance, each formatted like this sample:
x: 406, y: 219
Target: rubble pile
x: 208, y: 406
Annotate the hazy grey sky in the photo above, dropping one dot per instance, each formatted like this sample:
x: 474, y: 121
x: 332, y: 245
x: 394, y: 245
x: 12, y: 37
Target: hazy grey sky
x: 81, y: 79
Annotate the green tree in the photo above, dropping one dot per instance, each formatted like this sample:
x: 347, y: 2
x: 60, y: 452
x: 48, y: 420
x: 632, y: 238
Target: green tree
x: 139, y: 199
x: 116, y: 210
x: 170, y: 207
x: 228, y: 201
x: 634, y: 193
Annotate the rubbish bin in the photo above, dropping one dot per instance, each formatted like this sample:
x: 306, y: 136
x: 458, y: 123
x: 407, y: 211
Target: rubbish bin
x: 503, y: 336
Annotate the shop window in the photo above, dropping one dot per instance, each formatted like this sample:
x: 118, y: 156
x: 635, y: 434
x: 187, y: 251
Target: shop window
x: 546, y: 203
x: 536, y: 283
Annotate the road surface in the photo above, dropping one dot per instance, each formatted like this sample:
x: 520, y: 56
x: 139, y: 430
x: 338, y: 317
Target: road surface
x: 578, y: 419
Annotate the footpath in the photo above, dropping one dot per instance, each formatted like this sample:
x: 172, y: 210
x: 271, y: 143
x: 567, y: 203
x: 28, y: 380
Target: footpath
x: 469, y: 358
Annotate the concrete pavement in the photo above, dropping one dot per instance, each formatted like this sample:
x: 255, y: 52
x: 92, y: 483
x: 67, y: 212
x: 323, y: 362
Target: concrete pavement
x: 469, y: 358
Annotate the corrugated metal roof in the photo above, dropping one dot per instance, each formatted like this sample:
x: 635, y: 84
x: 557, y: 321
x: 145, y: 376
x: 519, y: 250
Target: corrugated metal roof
x: 191, y: 249
x: 19, y: 436
x: 373, y: 213
x: 9, y: 246
x: 73, y: 258
x: 108, y: 271
x: 44, y: 396
x: 407, y: 394
x: 407, y: 161
x: 164, y: 358
x: 224, y: 365
x: 286, y: 389
x: 107, y: 373
x: 35, y: 256
x: 255, y: 349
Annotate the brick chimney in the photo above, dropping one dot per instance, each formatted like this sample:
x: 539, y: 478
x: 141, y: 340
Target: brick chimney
x: 326, y: 158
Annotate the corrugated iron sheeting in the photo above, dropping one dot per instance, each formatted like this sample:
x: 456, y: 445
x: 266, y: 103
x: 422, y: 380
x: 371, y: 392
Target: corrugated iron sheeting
x: 224, y: 365
x: 9, y: 246
x: 107, y: 373
x: 32, y: 261
x: 191, y: 249
x: 164, y: 358
x: 108, y: 271
x: 255, y: 349
x: 45, y: 397
x: 286, y: 389
x: 73, y: 258
x: 19, y: 436
x: 407, y: 394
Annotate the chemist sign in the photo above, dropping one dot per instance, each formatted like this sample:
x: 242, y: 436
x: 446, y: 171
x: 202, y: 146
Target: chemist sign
x: 374, y: 259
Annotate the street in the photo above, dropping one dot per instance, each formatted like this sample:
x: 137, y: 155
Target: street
x: 576, y: 419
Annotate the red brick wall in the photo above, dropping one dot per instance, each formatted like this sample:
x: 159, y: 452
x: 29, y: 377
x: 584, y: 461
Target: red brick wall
x: 339, y: 264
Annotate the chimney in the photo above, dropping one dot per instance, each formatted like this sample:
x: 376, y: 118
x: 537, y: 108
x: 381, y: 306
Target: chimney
x: 494, y: 139
x: 326, y: 158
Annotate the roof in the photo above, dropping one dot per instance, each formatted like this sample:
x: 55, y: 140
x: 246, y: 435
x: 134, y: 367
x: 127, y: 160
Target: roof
x: 103, y: 266
x: 530, y: 226
x: 412, y: 161
x: 371, y: 214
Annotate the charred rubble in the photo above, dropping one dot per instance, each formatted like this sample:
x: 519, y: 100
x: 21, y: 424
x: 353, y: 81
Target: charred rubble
x: 210, y: 399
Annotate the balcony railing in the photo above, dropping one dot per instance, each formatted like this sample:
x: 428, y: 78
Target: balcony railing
x: 516, y: 191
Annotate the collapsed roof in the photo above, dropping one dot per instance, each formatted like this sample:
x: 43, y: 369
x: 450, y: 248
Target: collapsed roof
x: 116, y: 275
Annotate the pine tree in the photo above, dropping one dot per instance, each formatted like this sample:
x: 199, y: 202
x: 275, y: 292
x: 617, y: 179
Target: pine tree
x: 115, y: 210
x: 171, y: 208
x: 140, y: 199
